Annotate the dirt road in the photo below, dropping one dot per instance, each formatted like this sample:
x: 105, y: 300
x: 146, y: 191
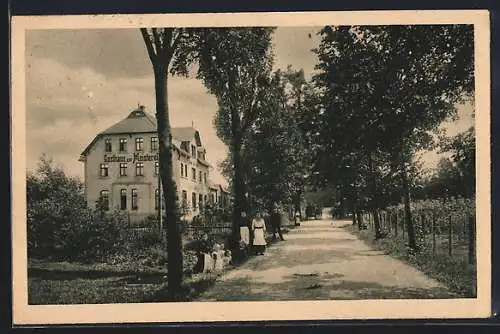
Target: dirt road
x: 321, y: 260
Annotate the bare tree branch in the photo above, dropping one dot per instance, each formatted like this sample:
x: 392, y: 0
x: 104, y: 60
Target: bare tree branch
x: 166, y: 44
x: 149, y: 45
x: 176, y: 39
x: 158, y: 42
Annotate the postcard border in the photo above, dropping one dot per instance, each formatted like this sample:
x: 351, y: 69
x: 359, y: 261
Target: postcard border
x: 479, y: 307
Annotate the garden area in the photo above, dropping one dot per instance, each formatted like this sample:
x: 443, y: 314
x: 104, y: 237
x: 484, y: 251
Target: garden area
x: 82, y: 255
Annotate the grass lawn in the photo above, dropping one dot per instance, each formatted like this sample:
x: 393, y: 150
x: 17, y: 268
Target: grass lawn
x: 78, y: 283
x: 453, y: 271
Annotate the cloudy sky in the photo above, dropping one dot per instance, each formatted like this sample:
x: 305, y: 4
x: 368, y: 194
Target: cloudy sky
x: 80, y: 82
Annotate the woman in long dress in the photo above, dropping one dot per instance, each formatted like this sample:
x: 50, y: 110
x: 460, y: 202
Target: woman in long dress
x: 259, y: 234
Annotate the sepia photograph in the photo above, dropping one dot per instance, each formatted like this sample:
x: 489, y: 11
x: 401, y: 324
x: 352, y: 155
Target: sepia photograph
x: 171, y: 168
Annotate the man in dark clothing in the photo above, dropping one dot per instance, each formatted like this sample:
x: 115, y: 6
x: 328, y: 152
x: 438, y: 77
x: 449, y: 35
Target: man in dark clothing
x: 276, y: 223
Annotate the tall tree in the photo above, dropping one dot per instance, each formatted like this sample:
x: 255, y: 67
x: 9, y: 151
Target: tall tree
x: 235, y: 65
x: 463, y: 154
x: 391, y: 86
x: 169, y: 50
x: 300, y: 99
x: 272, y: 149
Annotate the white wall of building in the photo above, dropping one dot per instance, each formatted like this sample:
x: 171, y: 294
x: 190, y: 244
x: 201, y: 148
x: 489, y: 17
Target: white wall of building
x: 144, y: 185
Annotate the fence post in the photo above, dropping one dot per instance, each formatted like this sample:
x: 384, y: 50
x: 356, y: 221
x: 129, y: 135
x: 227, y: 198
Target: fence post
x: 403, y: 226
x: 423, y: 223
x: 396, y: 224
x: 389, y: 219
x: 466, y: 226
x: 433, y: 233
x: 472, y: 239
x: 385, y: 221
x: 450, y: 236
x: 382, y: 217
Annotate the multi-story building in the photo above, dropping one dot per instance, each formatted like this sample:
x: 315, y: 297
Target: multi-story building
x: 218, y: 195
x: 122, y: 167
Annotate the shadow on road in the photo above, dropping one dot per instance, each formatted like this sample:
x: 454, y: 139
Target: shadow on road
x: 327, y: 286
x: 67, y: 275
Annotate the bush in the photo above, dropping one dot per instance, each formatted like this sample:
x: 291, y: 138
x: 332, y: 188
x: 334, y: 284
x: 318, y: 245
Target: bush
x: 148, y: 238
x: 60, y: 225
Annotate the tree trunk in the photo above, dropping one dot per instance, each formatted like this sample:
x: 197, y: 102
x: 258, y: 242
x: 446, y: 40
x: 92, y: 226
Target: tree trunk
x: 237, y: 176
x: 174, y: 241
x: 376, y: 223
x: 361, y: 225
x: 407, y: 210
x: 296, y: 201
x: 373, y: 201
x: 341, y: 211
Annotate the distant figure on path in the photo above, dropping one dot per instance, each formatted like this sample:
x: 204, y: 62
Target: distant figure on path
x: 276, y: 223
x: 297, y: 218
x: 259, y: 234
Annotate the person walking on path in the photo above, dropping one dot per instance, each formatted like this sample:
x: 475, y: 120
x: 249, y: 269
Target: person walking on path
x: 245, y: 227
x: 276, y: 223
x: 259, y: 234
x: 245, y: 235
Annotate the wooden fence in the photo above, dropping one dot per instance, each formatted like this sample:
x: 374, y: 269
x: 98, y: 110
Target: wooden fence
x: 452, y: 234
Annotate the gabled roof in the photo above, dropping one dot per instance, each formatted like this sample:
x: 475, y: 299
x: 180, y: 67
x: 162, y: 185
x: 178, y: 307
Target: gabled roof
x: 139, y: 121
x: 185, y: 134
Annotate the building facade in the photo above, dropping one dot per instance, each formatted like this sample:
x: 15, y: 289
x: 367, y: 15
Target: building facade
x: 121, y: 168
x: 218, y: 195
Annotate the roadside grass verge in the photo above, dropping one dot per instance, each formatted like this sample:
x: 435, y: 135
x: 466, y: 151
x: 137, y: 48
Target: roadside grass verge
x: 452, y: 271
x: 51, y: 283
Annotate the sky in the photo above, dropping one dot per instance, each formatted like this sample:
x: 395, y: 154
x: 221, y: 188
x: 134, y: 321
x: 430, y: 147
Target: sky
x: 80, y: 82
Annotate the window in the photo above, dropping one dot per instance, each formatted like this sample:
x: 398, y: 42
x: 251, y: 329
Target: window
x: 107, y: 145
x: 123, y: 199
x: 193, y: 200
x: 205, y: 178
x: 182, y: 169
x: 139, y: 169
x: 185, y: 170
x: 135, y: 204
x: 193, y: 170
x: 157, y: 199
x: 184, y: 197
x: 200, y: 178
x: 104, y: 170
x: 206, y: 199
x: 154, y: 143
x: 105, y: 199
x: 139, y: 144
x: 123, y: 169
x: 123, y: 144
x: 157, y: 168
x: 193, y: 151
x: 200, y: 201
